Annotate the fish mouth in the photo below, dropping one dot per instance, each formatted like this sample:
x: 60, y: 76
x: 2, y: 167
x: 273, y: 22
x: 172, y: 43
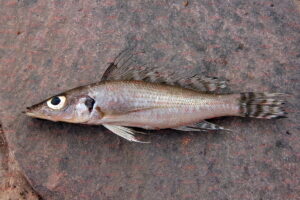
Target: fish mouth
x: 36, y: 115
x: 29, y: 113
x: 33, y: 114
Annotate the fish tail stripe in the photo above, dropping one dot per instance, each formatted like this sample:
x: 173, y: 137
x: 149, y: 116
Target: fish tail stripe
x: 261, y: 105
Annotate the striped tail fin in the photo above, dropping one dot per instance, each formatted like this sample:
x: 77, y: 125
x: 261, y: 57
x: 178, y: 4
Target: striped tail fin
x: 262, y: 105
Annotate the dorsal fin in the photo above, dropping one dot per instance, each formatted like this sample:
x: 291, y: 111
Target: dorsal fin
x: 124, y: 67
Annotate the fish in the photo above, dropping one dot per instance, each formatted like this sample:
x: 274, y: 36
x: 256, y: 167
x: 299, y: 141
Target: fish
x: 126, y: 98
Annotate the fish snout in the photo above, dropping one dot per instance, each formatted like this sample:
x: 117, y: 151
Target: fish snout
x: 26, y: 110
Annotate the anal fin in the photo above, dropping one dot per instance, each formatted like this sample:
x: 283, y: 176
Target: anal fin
x: 201, y: 126
x: 125, y: 132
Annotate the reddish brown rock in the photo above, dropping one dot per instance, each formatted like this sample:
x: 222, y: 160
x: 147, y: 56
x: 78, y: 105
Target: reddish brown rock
x: 47, y: 47
x: 13, y: 185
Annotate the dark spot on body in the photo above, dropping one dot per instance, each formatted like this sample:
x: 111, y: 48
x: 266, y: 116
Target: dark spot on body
x: 99, y: 111
x: 89, y: 102
x: 288, y: 133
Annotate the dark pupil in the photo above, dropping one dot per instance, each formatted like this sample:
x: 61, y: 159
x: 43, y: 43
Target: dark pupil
x: 55, y: 101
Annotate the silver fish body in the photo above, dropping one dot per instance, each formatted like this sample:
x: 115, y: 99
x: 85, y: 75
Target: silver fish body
x: 155, y: 106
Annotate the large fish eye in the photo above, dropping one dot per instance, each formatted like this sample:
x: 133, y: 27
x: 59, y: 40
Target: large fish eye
x: 56, y: 102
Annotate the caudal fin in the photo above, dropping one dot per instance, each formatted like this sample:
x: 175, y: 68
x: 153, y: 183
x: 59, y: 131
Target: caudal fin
x: 262, y: 105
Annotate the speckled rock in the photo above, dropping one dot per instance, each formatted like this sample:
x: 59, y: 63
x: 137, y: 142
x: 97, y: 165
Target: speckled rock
x: 47, y: 47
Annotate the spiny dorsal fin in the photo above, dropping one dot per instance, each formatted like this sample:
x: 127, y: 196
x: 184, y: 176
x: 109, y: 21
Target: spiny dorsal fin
x: 125, y: 68
x: 201, y: 126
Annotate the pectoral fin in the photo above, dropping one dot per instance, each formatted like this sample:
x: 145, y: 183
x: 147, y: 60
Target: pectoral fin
x: 201, y: 126
x: 125, y: 132
x: 125, y: 67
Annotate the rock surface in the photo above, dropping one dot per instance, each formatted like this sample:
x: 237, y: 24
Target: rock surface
x: 13, y: 185
x: 47, y: 47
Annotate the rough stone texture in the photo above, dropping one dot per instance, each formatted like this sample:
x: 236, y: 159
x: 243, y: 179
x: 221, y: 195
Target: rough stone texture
x: 13, y: 185
x: 47, y: 47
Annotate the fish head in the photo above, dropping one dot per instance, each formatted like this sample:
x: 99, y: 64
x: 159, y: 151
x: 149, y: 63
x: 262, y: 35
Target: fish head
x: 72, y: 107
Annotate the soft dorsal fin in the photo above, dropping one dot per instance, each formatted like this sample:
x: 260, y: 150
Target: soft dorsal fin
x: 125, y: 68
x: 201, y: 126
